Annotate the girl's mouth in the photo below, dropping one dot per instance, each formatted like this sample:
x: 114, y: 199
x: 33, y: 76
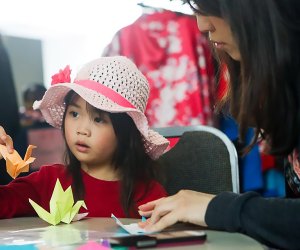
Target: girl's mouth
x: 83, y: 148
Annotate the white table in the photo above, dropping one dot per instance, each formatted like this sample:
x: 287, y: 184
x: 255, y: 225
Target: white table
x: 70, y: 236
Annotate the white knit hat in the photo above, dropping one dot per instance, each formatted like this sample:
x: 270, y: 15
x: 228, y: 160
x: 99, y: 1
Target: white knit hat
x: 112, y: 84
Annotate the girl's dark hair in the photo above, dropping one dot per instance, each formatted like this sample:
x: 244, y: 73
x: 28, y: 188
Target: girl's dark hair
x: 265, y: 84
x: 130, y: 159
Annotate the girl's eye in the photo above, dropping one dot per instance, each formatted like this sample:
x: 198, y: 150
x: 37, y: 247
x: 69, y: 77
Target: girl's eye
x: 74, y: 114
x: 98, y: 119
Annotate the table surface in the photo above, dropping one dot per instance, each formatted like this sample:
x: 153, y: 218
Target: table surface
x: 33, y: 230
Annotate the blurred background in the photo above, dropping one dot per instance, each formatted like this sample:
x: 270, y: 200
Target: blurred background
x: 43, y: 36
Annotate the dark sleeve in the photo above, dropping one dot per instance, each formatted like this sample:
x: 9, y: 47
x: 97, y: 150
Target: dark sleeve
x: 273, y: 221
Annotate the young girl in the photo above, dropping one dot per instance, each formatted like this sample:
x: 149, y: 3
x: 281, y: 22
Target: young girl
x: 110, y: 148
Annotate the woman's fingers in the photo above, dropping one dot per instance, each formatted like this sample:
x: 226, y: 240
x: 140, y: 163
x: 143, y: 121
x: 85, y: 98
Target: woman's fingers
x: 156, y: 209
x: 160, y: 218
x: 146, y: 213
x: 160, y: 208
x: 185, y: 206
x: 149, y: 205
x: 147, y: 209
x: 143, y: 224
x: 164, y: 222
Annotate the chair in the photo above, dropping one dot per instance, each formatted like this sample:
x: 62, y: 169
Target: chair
x: 204, y: 160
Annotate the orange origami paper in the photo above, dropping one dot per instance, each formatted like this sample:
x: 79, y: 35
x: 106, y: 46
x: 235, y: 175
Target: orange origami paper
x: 14, y: 163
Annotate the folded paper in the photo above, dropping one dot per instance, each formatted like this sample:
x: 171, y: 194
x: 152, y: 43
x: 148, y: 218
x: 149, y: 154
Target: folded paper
x: 14, y: 163
x: 61, y: 207
x: 132, y: 228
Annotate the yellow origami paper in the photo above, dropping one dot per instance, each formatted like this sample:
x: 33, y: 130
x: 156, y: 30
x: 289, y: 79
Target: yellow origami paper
x: 14, y: 163
x: 61, y: 207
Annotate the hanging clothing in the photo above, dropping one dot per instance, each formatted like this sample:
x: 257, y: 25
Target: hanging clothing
x: 174, y: 56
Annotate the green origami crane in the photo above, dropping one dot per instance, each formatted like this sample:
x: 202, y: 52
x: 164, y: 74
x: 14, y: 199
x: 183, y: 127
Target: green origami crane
x: 61, y: 206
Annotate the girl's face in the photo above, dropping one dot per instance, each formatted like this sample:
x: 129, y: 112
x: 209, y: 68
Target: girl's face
x: 219, y: 34
x: 89, y: 135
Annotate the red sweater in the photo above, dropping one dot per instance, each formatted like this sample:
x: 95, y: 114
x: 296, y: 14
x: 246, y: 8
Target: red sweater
x: 101, y: 197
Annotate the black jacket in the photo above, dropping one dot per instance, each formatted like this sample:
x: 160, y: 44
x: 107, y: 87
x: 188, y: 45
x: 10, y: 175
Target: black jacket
x: 274, y: 222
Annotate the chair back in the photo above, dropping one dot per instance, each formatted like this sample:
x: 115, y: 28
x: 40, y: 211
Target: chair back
x: 204, y: 160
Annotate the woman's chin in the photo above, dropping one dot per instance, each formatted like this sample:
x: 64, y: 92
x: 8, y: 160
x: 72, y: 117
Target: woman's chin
x: 235, y: 56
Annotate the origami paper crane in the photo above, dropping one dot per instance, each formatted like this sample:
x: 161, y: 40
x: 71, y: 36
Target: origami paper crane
x: 61, y: 207
x: 14, y: 163
x: 132, y: 228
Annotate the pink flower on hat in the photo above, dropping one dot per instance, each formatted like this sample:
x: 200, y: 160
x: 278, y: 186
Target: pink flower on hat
x: 64, y: 75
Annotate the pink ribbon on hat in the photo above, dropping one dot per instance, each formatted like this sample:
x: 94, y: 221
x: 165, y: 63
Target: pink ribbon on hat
x: 64, y: 76
x: 108, y: 92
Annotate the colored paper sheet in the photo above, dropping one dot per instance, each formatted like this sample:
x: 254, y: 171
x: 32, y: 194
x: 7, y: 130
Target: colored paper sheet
x: 62, y: 208
x: 93, y: 246
x: 18, y: 247
x: 14, y: 163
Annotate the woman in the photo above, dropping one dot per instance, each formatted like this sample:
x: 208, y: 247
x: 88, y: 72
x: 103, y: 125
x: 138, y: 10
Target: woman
x: 259, y: 41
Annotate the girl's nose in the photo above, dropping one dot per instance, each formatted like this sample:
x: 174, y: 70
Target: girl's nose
x: 204, y: 24
x: 83, y: 129
x: 82, y: 132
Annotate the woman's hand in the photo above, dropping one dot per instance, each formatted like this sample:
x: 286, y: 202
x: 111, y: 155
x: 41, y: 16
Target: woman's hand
x: 5, y: 139
x: 185, y: 206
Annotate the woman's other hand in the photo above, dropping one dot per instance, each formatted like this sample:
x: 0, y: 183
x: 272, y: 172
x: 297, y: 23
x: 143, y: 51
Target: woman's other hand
x: 185, y: 206
x: 6, y: 140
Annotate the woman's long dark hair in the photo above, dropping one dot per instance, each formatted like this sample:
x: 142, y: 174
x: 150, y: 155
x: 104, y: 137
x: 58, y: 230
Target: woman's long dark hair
x: 130, y: 159
x: 265, y: 84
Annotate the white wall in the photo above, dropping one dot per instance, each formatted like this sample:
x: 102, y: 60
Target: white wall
x: 71, y: 31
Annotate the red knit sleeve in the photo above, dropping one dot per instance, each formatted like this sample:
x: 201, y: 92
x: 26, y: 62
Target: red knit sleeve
x: 37, y: 186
